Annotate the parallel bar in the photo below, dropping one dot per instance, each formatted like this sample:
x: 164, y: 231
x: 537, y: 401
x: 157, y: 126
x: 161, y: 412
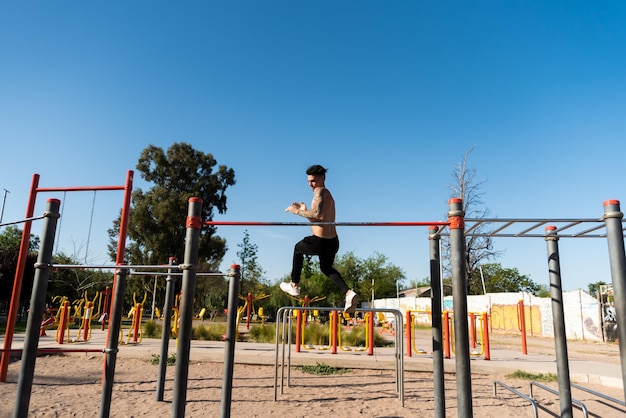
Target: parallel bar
x: 518, y: 393
x: 599, y: 394
x: 287, y: 313
x: 555, y: 392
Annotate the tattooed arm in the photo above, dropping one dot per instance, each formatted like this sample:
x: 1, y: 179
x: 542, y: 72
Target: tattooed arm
x: 316, y: 213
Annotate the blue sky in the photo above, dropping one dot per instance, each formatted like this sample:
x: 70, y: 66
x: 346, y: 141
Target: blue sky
x: 388, y: 95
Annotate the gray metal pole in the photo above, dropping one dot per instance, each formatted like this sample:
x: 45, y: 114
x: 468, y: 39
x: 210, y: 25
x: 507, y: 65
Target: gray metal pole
x: 37, y: 306
x: 558, y: 320
x: 435, y: 297
x: 231, y: 336
x: 167, y: 328
x: 614, y: 234
x: 194, y: 224
x: 113, y: 338
x: 456, y: 217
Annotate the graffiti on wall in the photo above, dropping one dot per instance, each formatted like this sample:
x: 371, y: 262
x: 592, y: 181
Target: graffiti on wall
x: 506, y: 318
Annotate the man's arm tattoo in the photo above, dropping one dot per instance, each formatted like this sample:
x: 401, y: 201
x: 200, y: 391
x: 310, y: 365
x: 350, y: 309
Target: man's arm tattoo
x: 317, y: 206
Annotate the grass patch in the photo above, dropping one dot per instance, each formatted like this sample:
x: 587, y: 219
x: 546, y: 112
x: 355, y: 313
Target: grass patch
x: 538, y: 377
x: 156, y: 359
x: 262, y: 333
x: 212, y: 332
x: 321, y: 369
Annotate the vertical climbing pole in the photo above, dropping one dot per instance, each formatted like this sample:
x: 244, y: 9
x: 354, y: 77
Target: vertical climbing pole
x: 231, y: 336
x: 189, y: 267
x: 167, y: 328
x: 37, y: 305
x: 615, y: 237
x: 558, y: 320
x: 456, y: 219
x: 436, y: 302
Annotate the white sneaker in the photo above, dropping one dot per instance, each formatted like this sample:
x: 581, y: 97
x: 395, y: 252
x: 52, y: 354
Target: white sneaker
x: 352, y: 300
x: 290, y: 288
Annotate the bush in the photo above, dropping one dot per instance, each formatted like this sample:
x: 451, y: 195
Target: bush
x: 152, y: 330
x: 262, y: 334
x: 213, y: 332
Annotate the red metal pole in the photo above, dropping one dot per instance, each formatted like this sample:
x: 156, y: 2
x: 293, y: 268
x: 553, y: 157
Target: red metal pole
x: 522, y: 325
x: 486, y: 336
x: 17, y: 283
x: 63, y: 322
x: 87, y: 321
x: 121, y: 241
x: 333, y: 336
x: 409, y: 334
x: 370, y: 326
x: 472, y: 330
x: 298, y: 330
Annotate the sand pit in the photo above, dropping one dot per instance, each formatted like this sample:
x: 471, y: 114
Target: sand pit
x: 70, y: 385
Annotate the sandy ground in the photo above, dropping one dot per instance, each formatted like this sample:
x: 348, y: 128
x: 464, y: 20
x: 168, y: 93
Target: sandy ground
x: 70, y: 386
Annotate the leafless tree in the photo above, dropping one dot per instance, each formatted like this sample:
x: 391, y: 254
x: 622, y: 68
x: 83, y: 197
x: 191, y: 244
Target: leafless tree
x: 478, y: 249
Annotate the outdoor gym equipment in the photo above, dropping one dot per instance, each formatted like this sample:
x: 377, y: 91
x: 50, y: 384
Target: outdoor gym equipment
x: 90, y: 313
x: 134, y: 333
x: 611, y: 221
x: 249, y: 306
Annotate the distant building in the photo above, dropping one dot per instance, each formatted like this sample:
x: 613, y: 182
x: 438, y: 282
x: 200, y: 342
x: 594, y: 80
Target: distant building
x: 423, y: 292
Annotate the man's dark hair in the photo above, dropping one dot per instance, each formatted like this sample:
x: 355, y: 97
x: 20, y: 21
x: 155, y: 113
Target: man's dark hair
x: 316, y: 170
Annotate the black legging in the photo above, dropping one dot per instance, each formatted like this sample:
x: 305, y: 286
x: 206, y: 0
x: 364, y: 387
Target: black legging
x: 325, y: 249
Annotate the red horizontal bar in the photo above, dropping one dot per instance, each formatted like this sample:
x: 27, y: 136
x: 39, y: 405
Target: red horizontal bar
x: 246, y: 223
x: 78, y: 188
x: 57, y: 350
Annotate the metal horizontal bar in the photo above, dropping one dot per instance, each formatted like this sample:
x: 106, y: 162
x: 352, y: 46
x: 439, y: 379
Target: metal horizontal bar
x: 23, y: 221
x: 78, y: 188
x: 251, y: 223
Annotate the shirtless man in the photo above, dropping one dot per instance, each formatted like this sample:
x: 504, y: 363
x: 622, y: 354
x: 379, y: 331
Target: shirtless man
x: 324, y: 242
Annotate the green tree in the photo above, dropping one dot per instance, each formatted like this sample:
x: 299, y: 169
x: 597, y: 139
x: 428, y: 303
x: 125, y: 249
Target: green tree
x: 594, y: 288
x: 499, y: 280
x: 10, y: 239
x: 252, y: 273
x: 359, y: 274
x: 157, y: 229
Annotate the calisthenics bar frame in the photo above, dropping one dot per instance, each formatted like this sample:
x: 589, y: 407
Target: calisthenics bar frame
x: 127, y: 187
x: 456, y: 226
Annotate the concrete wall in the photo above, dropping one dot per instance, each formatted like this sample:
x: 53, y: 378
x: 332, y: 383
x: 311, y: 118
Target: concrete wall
x: 581, y: 312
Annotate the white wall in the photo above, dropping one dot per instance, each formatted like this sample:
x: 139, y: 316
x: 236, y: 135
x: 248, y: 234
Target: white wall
x: 582, y: 313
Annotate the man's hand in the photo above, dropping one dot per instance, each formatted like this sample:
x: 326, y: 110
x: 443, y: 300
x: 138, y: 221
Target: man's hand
x: 296, y: 207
